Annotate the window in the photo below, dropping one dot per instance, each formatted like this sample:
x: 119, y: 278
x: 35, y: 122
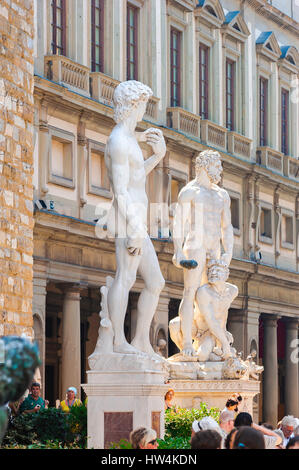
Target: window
x: 97, y: 35
x: 263, y: 111
x: 266, y: 223
x: 175, y: 67
x: 98, y: 181
x: 203, y: 81
x: 287, y: 230
x: 61, y: 157
x: 230, y: 94
x: 132, y: 42
x: 58, y: 27
x: 176, y: 186
x: 99, y: 177
x: 284, y: 121
x: 235, y: 213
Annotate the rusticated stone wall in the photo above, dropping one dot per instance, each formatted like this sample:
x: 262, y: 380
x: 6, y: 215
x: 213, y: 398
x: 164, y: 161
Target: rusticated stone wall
x: 16, y: 166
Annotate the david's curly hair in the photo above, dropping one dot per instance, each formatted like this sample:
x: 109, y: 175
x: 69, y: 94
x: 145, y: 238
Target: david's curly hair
x: 126, y: 97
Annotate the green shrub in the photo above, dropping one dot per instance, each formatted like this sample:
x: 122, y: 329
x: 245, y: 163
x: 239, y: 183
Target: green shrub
x: 174, y: 443
x: 48, y: 426
x: 178, y: 423
x: 122, y: 444
x: 77, y: 424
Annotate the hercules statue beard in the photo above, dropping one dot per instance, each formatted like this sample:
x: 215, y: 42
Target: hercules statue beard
x: 127, y: 173
x: 206, y: 207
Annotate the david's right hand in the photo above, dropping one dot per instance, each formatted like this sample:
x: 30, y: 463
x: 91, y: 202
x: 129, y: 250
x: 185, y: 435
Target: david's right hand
x: 134, y: 246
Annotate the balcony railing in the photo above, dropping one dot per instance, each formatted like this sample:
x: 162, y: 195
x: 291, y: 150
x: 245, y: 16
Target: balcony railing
x: 63, y: 70
x: 291, y: 167
x: 102, y: 89
x: 183, y: 121
x: 239, y: 145
x: 271, y: 159
x: 213, y: 134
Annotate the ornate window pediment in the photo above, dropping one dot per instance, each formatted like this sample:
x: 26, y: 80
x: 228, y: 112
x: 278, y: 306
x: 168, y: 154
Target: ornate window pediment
x: 210, y: 12
x: 235, y: 26
x: 185, y: 5
x: 289, y: 58
x: 267, y: 45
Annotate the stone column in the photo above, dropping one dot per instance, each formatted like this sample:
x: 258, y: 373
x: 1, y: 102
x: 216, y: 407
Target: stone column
x: 39, y: 316
x: 270, y: 375
x: 71, y: 344
x: 236, y: 326
x: 291, y: 367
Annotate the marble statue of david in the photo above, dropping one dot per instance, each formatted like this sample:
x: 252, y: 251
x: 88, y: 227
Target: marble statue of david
x: 127, y: 171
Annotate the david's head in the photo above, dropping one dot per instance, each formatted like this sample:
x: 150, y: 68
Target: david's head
x: 128, y: 97
x: 209, y: 161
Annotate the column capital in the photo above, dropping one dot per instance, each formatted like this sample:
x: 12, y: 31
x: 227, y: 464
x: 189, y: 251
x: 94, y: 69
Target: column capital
x: 72, y: 288
x: 270, y: 319
x: 291, y: 323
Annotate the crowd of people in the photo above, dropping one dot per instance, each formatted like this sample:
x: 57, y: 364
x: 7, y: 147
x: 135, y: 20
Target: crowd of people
x: 235, y: 430
x: 230, y: 433
x: 33, y: 403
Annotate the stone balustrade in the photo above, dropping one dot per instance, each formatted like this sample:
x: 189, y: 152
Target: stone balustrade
x: 183, y: 121
x: 271, y: 159
x: 291, y: 167
x: 102, y: 89
x: 213, y: 134
x: 239, y: 145
x: 63, y: 70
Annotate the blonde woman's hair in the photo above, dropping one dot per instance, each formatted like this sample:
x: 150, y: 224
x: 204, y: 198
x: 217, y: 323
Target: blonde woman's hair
x: 142, y: 436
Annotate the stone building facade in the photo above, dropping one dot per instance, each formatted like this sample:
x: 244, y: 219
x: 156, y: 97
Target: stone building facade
x: 224, y: 75
x: 16, y: 166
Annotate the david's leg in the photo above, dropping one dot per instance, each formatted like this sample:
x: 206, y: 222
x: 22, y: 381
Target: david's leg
x: 118, y: 295
x: 150, y: 271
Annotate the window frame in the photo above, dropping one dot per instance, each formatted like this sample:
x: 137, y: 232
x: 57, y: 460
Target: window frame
x: 135, y: 44
x: 54, y: 27
x: 284, y: 244
x: 64, y: 137
x: 95, y: 66
x: 264, y: 238
x: 233, y: 80
x: 97, y: 147
x: 206, y: 49
x: 263, y: 112
x: 238, y: 197
x: 175, y: 102
x: 179, y: 176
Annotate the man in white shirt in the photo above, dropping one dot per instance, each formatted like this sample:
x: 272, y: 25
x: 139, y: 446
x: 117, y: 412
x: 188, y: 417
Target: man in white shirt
x: 288, y: 423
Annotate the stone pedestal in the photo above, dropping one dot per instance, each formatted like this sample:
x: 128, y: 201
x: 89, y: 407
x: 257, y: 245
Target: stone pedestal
x: 215, y: 393
x: 121, y: 400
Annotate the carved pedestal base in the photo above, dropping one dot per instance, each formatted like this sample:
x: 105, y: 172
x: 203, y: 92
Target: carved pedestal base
x: 123, y: 396
x: 189, y: 393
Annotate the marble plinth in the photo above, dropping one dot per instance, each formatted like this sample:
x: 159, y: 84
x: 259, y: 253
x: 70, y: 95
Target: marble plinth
x: 122, y: 397
x: 190, y: 393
